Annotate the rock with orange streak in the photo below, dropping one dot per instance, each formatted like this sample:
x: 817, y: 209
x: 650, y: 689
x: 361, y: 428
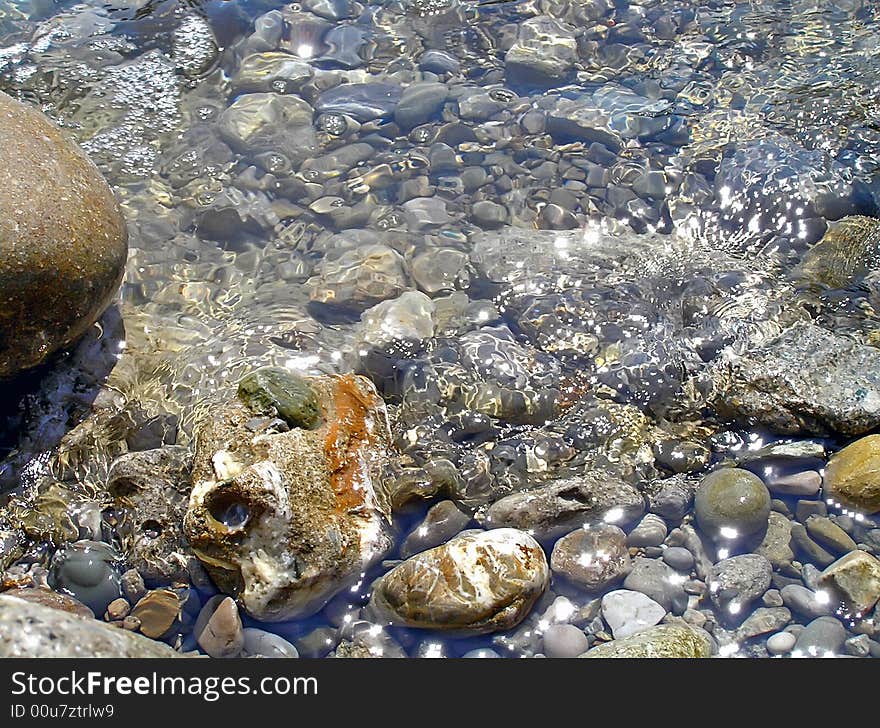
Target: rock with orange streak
x: 284, y: 518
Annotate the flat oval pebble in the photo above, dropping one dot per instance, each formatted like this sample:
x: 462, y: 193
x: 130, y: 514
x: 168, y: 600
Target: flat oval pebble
x: 678, y: 558
x: 474, y: 584
x: 780, y: 643
x: 564, y: 640
x: 361, y: 101
x: 259, y: 643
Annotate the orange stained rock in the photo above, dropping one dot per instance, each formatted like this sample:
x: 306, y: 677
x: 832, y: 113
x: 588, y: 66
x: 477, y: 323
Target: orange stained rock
x: 348, y: 441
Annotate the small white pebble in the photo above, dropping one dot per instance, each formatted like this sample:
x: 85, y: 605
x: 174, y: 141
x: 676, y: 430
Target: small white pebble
x: 780, y: 643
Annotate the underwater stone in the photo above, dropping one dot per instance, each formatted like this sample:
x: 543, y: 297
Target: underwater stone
x: 561, y: 505
x: 218, y: 629
x: 663, y: 641
x: 158, y: 612
x: 286, y: 520
x: 442, y: 521
x: 848, y: 252
x: 359, y: 277
x: 593, y: 558
x: 53, y: 599
x: 544, y: 53
x: 655, y: 579
x: 86, y: 571
x: 269, y: 122
x: 806, y: 379
x: 629, y: 612
x: 55, y: 513
x: 736, y: 582
x: 564, y: 640
x: 361, y: 101
x: 419, y: 103
x: 410, y: 317
x: 279, y: 392
x: 731, y: 505
x: 852, y: 476
x: 855, y: 580
x: 829, y: 535
x: 776, y: 546
x: 271, y: 72
x: 440, y: 269
x: 259, y: 643
x: 63, y: 240
x: 475, y: 584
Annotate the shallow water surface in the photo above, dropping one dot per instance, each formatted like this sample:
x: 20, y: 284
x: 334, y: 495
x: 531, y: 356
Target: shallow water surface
x: 597, y: 202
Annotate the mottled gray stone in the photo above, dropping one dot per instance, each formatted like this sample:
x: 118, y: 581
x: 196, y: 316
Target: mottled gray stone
x: 33, y: 630
x: 562, y: 505
x: 658, y: 581
x: 821, y: 637
x: 806, y: 379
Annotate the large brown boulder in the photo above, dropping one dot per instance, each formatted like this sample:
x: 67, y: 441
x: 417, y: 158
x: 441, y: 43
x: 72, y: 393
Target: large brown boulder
x: 63, y: 241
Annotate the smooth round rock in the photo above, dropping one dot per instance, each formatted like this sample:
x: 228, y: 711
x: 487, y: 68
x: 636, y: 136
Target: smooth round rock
x: 822, y: 637
x: 259, y: 643
x: 484, y: 653
x: 679, y: 558
x: 732, y: 504
x: 63, y: 240
x: 852, y: 476
x: 593, y: 558
x: 86, y: 571
x: 477, y: 583
x: 780, y: 643
x: 565, y: 640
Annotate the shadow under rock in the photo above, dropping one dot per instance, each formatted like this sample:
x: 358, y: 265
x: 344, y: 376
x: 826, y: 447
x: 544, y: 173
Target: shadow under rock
x: 40, y: 406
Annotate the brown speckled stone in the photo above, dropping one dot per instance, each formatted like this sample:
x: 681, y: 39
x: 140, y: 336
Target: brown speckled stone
x: 478, y: 583
x: 63, y: 241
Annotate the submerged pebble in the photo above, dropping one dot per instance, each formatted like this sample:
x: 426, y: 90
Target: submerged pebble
x: 88, y: 572
x: 472, y: 585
